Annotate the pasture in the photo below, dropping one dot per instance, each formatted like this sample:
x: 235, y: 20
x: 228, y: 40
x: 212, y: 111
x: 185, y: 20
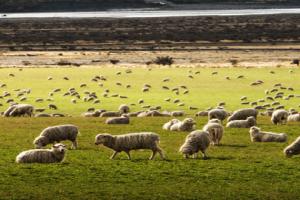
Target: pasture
x: 238, y: 169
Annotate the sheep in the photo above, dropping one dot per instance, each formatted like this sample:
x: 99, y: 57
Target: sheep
x: 42, y: 115
x: 168, y: 125
x: 123, y: 108
x: 118, y: 120
x: 194, y: 142
x: 279, y: 116
x: 58, y: 133
x: 202, y: 114
x: 52, y: 106
x: 188, y: 124
x: 250, y: 121
x: 131, y: 141
x: 294, y: 117
x: 19, y: 110
x: 215, y: 130
x: 54, y: 155
x: 256, y: 135
x: 96, y: 113
x: 152, y: 113
x: 177, y: 113
x: 220, y: 114
x: 110, y: 114
x: 243, y: 114
x: 293, y: 148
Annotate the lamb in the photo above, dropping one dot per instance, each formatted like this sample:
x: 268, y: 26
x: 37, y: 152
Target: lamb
x: 118, y: 120
x: 168, y: 125
x: 292, y: 149
x: 54, y: 155
x: 131, y: 141
x: 215, y: 130
x: 279, y: 116
x: 59, y: 133
x: 294, y: 117
x: 250, y: 121
x: 124, y: 109
x: 257, y: 135
x: 243, y: 114
x: 194, y: 142
x: 19, y: 110
x: 220, y: 114
x: 188, y: 124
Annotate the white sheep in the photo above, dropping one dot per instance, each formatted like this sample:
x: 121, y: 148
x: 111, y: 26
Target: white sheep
x: 194, y: 142
x: 294, y: 117
x: 217, y: 113
x: 118, y: 120
x: 250, y: 121
x: 53, y: 155
x: 123, y: 108
x: 188, y: 124
x: 243, y: 114
x: 59, y: 133
x: 215, y: 130
x: 279, y: 116
x: 177, y: 113
x: 19, y: 110
x: 257, y: 135
x: 293, y: 149
x: 131, y: 141
x: 168, y: 125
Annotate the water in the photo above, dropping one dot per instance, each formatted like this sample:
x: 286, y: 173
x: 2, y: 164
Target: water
x: 151, y: 13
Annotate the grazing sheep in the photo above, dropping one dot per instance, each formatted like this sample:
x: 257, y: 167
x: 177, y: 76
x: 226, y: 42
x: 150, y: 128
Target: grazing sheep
x: 53, y: 155
x: 194, y: 142
x: 215, y: 130
x: 188, y: 124
x: 293, y: 149
x: 59, y: 133
x: 52, y: 106
x: 250, y: 121
x: 243, y: 114
x: 118, y: 120
x: 123, y: 108
x: 168, y: 125
x: 19, y: 110
x: 257, y: 135
x: 131, y: 141
x: 279, y: 116
x: 294, y: 117
x: 220, y: 114
x: 110, y: 114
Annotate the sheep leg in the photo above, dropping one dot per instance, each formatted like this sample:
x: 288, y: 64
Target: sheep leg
x: 195, y: 155
x: 114, y: 155
x: 204, y: 155
x: 153, y: 154
x: 162, y: 156
x: 128, y: 155
x: 186, y: 156
x: 74, y: 144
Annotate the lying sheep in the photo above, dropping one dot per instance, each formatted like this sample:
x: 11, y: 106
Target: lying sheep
x: 118, y: 120
x: 257, y: 135
x: 250, y: 121
x: 217, y: 113
x: 215, y: 130
x: 293, y: 149
x: 59, y: 133
x: 188, y: 124
x: 53, y: 155
x: 294, y: 117
x: 131, y: 141
x: 177, y: 113
x: 42, y: 115
x: 243, y: 114
x: 19, y: 110
x: 279, y: 116
x: 124, y: 109
x: 168, y: 125
x: 194, y: 142
x: 110, y: 114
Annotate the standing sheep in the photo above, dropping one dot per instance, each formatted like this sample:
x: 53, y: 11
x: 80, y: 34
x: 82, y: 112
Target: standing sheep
x: 194, y: 142
x: 19, y: 110
x: 59, y: 133
x: 168, y: 125
x: 279, y: 116
x: 217, y: 113
x: 188, y: 124
x: 215, y: 130
x: 293, y: 149
x: 131, y: 141
x: 257, y: 135
x: 53, y: 155
x: 250, y: 121
x: 243, y: 114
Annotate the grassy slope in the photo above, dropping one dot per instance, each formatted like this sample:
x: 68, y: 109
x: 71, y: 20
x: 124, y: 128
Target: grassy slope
x: 237, y: 170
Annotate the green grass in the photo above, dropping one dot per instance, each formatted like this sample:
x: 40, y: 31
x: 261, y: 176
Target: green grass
x: 238, y: 169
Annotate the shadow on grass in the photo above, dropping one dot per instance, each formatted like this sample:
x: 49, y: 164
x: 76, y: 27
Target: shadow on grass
x: 233, y: 145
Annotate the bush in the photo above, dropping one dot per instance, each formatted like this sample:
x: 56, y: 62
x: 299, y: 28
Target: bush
x: 164, y: 60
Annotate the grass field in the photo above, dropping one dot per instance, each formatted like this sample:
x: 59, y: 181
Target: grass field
x: 238, y: 169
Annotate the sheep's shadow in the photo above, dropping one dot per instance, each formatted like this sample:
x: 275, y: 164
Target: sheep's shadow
x: 221, y: 158
x: 233, y: 145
